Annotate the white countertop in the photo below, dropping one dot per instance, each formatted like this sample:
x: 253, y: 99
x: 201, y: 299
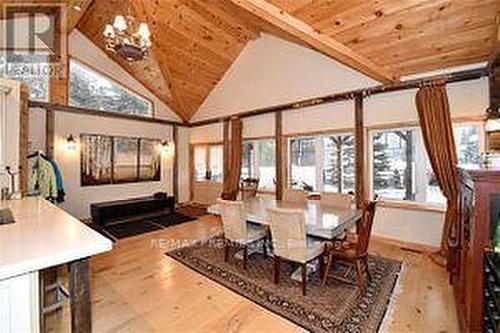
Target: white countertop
x: 44, y: 236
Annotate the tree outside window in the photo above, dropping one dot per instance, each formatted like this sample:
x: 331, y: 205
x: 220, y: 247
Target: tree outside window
x: 32, y: 69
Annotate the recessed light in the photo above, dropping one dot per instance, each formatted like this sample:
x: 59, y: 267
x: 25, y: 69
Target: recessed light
x: 77, y: 8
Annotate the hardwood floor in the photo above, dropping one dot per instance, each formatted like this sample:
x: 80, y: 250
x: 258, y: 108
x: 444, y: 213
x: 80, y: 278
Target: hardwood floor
x: 136, y: 288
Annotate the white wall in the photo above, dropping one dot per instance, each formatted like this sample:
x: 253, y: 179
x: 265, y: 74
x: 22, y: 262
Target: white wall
x: 272, y: 71
x: 84, y: 50
x: 78, y: 198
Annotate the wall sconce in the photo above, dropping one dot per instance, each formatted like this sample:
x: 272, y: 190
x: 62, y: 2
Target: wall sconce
x: 70, y: 143
x: 167, y: 147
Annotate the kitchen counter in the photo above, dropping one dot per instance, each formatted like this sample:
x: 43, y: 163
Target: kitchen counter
x: 44, y: 236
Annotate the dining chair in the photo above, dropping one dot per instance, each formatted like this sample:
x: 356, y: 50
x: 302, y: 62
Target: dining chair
x: 338, y: 200
x: 238, y: 232
x: 290, y: 242
x: 249, y: 187
x: 353, y: 253
x: 294, y: 196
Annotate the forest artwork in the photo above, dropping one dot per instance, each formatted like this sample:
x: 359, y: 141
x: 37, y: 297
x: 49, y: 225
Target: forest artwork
x: 96, y: 166
x: 115, y: 160
x: 125, y: 166
x: 150, y: 160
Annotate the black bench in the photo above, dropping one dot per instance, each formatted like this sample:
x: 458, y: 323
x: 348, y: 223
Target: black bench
x: 104, y: 213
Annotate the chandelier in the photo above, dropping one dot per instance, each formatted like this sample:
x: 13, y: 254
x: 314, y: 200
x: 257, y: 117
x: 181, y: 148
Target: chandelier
x: 126, y: 39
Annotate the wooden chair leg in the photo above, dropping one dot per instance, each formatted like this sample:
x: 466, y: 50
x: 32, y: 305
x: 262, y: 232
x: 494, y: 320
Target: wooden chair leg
x: 264, y: 247
x: 245, y: 256
x: 327, y: 268
x: 303, y: 268
x: 367, y: 269
x: 226, y: 250
x: 277, y: 269
x: 360, y: 276
x: 321, y: 263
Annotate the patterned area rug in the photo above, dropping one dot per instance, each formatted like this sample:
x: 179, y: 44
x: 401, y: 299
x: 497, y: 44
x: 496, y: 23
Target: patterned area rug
x: 335, y: 307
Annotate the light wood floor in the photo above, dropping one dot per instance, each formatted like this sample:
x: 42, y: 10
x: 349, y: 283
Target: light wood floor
x: 136, y: 288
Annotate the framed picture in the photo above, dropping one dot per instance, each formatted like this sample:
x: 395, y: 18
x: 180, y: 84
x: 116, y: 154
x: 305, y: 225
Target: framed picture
x: 96, y: 155
x: 149, y: 160
x: 116, y: 160
x: 125, y: 160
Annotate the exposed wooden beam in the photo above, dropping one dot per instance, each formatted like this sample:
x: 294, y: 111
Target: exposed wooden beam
x: 105, y: 114
x: 318, y: 41
x: 76, y: 9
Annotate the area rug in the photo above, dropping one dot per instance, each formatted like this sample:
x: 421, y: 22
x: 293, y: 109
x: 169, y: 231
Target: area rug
x: 335, y: 307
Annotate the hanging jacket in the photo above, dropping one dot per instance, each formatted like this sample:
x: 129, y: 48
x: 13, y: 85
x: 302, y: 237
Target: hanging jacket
x: 59, y: 181
x: 42, y: 178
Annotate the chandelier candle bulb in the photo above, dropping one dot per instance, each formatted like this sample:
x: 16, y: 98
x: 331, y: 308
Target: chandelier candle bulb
x: 120, y: 23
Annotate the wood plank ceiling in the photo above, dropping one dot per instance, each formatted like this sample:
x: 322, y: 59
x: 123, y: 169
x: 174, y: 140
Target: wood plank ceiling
x: 196, y: 41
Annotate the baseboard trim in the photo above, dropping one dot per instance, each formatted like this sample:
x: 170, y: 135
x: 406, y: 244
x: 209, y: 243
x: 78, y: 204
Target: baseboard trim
x: 411, y: 246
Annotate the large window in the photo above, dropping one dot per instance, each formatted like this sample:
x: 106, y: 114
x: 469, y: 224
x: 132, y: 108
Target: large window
x: 32, y: 69
x: 92, y: 90
x: 322, y: 163
x: 400, y: 166
x: 208, y: 162
x: 259, y: 161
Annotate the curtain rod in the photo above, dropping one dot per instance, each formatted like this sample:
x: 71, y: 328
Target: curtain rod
x: 459, y: 76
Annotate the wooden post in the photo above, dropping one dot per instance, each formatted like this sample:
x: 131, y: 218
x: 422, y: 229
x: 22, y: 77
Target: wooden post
x: 279, y: 155
x: 175, y: 168
x: 58, y: 88
x: 225, y: 149
x: 79, y: 293
x: 359, y: 151
x: 23, y: 139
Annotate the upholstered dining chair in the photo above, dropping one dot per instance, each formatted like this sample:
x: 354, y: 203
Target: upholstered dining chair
x: 290, y: 242
x: 237, y: 231
x: 339, y: 200
x: 295, y: 196
x: 354, y: 253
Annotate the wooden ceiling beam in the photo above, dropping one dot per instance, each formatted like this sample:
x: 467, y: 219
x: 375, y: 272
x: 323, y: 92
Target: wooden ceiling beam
x: 75, y: 15
x: 325, y: 44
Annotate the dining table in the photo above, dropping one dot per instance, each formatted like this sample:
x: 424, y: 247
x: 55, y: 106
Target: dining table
x: 322, y: 221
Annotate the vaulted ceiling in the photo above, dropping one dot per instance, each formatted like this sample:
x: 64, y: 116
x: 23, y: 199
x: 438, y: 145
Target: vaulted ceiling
x: 196, y: 41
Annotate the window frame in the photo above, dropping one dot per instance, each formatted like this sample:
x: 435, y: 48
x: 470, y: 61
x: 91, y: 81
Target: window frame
x: 206, y: 146
x: 319, y: 155
x: 407, y: 204
x: 114, y: 81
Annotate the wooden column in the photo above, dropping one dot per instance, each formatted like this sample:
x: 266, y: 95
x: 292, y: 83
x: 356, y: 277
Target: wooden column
x: 175, y: 167
x: 79, y: 293
x: 279, y: 155
x: 359, y: 137
x: 226, y: 144
x: 58, y: 90
x: 23, y: 139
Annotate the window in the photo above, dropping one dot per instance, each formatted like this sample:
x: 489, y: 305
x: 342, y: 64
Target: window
x: 208, y: 162
x: 401, y: 169
x: 216, y: 162
x: 303, y: 163
x: 338, y: 163
x: 322, y: 163
x: 32, y: 69
x: 91, y: 90
x: 259, y: 161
